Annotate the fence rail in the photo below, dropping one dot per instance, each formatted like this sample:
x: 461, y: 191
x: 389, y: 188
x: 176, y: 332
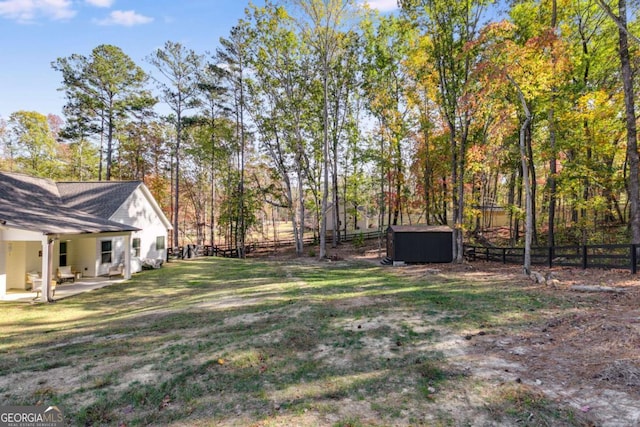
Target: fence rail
x: 192, y: 251
x: 583, y: 256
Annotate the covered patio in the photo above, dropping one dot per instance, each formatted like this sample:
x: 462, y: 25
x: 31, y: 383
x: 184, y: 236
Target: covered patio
x: 63, y: 290
x: 39, y: 233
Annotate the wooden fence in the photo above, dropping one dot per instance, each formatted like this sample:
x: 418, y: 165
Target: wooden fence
x: 192, y: 251
x: 582, y: 256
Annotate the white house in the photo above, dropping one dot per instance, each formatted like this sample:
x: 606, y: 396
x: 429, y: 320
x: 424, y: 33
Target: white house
x: 89, y: 226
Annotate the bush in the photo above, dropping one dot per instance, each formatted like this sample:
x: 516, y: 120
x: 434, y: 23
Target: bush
x: 358, y: 241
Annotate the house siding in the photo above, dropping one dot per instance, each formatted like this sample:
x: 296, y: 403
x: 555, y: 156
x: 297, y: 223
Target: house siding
x: 84, y: 256
x: 16, y: 265
x: 32, y: 262
x: 139, y: 212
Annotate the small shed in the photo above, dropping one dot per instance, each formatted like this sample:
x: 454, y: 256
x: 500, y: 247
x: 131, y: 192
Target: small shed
x: 419, y: 244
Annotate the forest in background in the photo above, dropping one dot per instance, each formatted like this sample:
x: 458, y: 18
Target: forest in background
x: 325, y: 114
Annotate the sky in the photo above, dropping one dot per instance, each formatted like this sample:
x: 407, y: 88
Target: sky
x: 34, y: 33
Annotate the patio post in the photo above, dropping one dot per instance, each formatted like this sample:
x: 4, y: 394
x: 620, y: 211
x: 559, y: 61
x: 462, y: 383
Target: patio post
x: 127, y: 256
x: 5, y: 246
x: 47, y: 266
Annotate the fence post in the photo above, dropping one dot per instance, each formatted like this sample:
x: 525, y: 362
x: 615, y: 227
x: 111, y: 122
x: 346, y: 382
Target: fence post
x: 504, y: 255
x: 634, y: 258
x: 584, y: 257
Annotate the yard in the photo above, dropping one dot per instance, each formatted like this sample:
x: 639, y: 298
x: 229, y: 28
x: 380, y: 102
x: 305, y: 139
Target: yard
x: 281, y: 342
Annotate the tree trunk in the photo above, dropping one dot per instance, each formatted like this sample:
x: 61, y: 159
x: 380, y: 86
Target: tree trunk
x: 382, y: 204
x: 454, y: 189
x: 511, y: 202
x: 632, y: 142
x: 336, y: 199
x: 553, y: 167
x: 524, y: 129
x: 553, y: 171
x: 243, y: 227
x: 325, y: 159
x: 176, y: 191
x: 301, y: 215
x: 528, y: 229
x: 109, y: 146
x: 212, y: 218
x: 533, y: 183
x: 459, y: 243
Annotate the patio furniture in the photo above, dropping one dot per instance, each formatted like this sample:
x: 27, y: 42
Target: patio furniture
x: 116, y: 270
x: 35, y: 281
x: 64, y: 273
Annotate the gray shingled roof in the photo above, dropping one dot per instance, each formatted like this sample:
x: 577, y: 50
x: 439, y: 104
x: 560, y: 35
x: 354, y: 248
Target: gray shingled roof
x: 35, y: 204
x: 101, y: 199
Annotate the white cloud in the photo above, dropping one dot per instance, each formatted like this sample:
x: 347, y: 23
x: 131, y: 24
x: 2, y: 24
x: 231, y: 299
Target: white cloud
x: 26, y: 11
x: 382, y: 5
x: 100, y: 3
x: 126, y: 18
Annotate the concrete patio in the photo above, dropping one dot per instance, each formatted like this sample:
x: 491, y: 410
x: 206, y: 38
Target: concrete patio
x: 63, y: 290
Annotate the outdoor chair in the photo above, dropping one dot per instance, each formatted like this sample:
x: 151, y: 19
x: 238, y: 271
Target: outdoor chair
x: 116, y: 270
x: 65, y: 273
x: 35, y: 281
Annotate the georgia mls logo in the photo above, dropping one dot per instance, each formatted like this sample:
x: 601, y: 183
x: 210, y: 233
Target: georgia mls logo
x: 31, y: 416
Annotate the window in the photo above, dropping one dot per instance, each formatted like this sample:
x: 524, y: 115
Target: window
x: 63, y: 254
x: 135, y: 244
x: 106, y: 251
x: 159, y: 242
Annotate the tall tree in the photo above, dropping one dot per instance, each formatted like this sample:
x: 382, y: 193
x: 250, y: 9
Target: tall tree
x: 451, y: 26
x: 234, y: 56
x: 385, y: 86
x: 215, y: 111
x: 107, y: 85
x: 343, y: 105
x: 283, y: 78
x: 321, y: 22
x: 179, y: 70
x: 633, y: 188
x: 506, y: 59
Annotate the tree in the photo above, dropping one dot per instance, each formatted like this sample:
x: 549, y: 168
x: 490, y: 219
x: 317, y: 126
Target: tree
x: 179, y: 68
x: 215, y: 112
x: 283, y: 78
x: 106, y: 86
x: 6, y: 161
x: 34, y: 145
x: 385, y: 86
x: 505, y: 60
x: 320, y: 22
x: 633, y: 189
x: 234, y: 56
x: 451, y: 26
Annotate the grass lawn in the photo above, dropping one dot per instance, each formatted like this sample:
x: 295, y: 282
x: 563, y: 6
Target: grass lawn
x: 269, y: 343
